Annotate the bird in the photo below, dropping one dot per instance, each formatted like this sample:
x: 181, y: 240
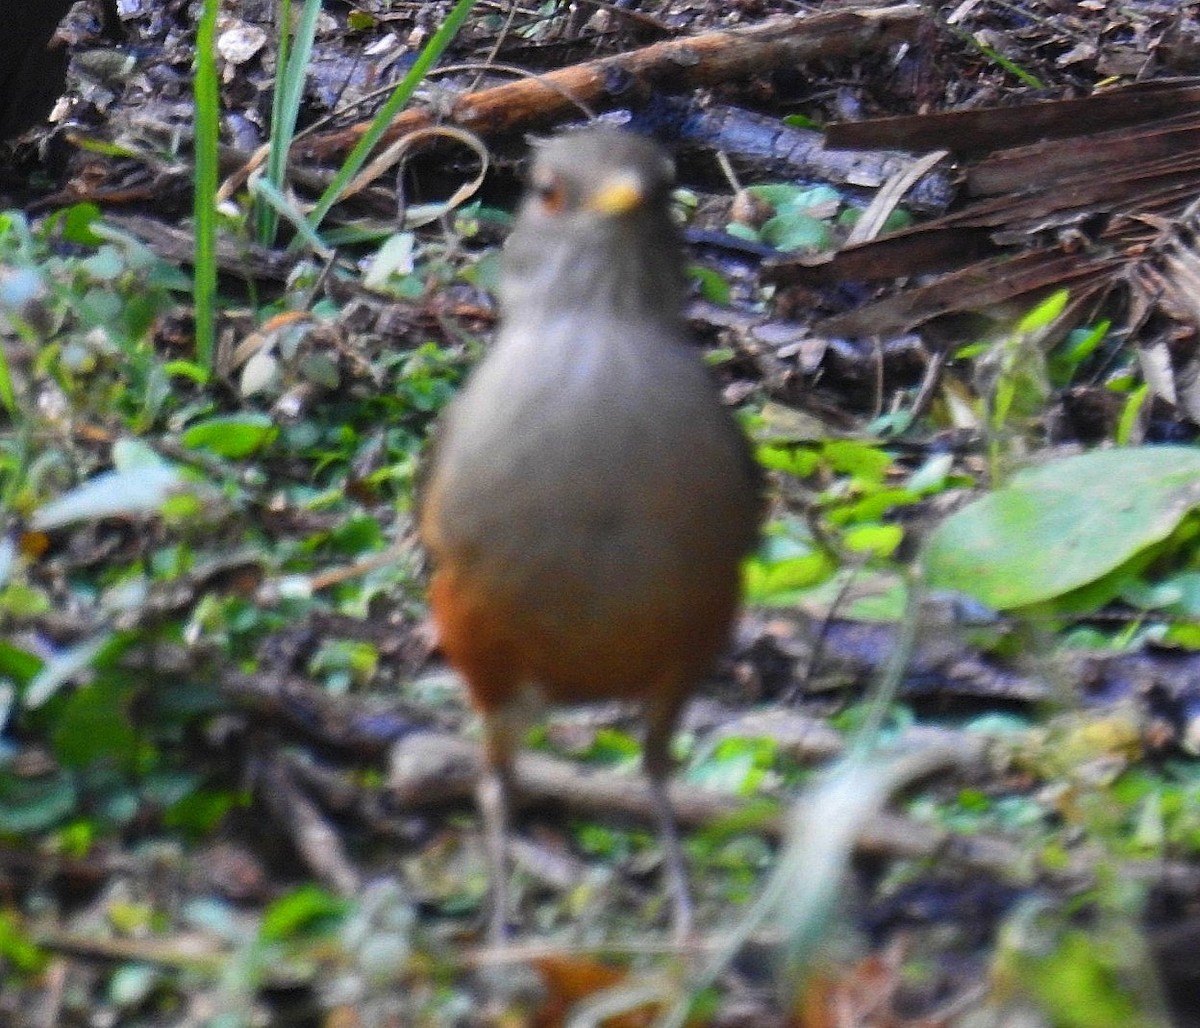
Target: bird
x: 589, y: 499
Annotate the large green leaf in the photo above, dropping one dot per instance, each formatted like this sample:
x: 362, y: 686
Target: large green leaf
x: 1063, y: 525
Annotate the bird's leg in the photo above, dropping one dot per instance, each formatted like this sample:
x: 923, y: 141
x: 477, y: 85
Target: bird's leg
x: 677, y: 882
x: 656, y: 761
x: 503, y: 728
x: 505, y: 986
x: 494, y: 796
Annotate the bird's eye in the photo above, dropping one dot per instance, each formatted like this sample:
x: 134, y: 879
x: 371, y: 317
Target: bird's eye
x: 551, y: 194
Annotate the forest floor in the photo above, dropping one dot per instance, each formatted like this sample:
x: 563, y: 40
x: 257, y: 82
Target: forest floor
x: 943, y: 267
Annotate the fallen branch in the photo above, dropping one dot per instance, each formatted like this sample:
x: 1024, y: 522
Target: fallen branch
x: 431, y: 769
x: 673, y: 66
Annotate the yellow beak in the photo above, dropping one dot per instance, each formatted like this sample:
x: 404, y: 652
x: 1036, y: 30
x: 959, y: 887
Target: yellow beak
x: 618, y: 194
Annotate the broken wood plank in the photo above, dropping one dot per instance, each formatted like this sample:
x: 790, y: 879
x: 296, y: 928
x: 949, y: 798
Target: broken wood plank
x: 1095, y: 154
x: 974, y: 288
x: 969, y: 133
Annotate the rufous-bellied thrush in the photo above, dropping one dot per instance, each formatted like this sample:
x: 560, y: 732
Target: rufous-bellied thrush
x: 589, y: 499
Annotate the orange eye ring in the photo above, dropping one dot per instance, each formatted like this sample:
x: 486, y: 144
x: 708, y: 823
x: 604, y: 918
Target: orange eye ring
x: 552, y: 195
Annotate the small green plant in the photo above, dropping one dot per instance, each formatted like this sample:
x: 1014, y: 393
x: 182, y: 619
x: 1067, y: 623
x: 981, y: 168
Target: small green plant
x: 204, y: 204
x: 1014, y: 381
x: 1091, y: 971
x: 849, y: 518
x: 1074, y: 352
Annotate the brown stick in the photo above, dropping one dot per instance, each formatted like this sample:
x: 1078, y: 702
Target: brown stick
x: 434, y: 768
x: 674, y: 66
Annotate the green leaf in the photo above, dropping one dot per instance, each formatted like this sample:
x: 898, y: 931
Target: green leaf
x: 8, y: 396
x: 1178, y: 595
x: 199, y: 812
x: 784, y: 196
x: 736, y: 765
x: 801, y: 121
x: 18, y: 664
x: 1079, y: 978
x: 1079, y: 345
x: 612, y: 747
x: 865, y: 461
x: 795, y: 230
x: 356, y: 659
x: 106, y: 265
x: 777, y: 582
x: 23, y: 601
x: 29, y: 805
x: 714, y: 287
x: 17, y: 949
x: 484, y: 273
x: 358, y: 535
x: 95, y: 723
x: 740, y: 231
x: 187, y: 369
x: 777, y: 194
x: 78, y: 223
x: 790, y: 458
x: 1183, y: 637
x: 308, y: 907
x: 873, y: 504
x: 880, y: 540
x: 895, y: 221
x: 1064, y: 525
x: 233, y: 435
x: 1043, y: 315
x: 1130, y: 414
